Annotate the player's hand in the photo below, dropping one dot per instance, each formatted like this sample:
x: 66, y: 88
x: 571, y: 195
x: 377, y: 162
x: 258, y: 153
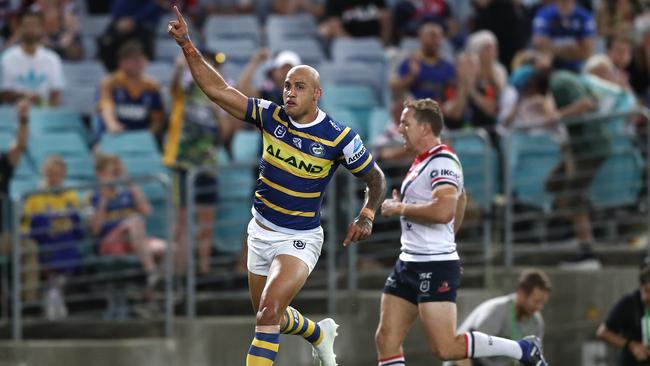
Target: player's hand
x: 360, y: 229
x: 261, y: 55
x: 178, y: 28
x: 392, y: 206
x: 639, y: 351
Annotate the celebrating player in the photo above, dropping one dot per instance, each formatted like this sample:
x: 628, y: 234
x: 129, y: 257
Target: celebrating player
x: 427, y: 274
x: 303, y: 147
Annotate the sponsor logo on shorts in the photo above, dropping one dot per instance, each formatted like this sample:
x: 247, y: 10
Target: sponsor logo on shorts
x: 280, y: 131
x: 299, y: 244
x: 444, y: 287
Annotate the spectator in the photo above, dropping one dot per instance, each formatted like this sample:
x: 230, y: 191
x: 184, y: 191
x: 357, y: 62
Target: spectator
x: 425, y: 74
x: 639, y: 69
x: 510, y: 22
x: 131, y: 20
x: 197, y: 126
x: 589, y: 145
x: 535, y: 109
x: 62, y: 29
x: 409, y: 14
x: 130, y: 100
x: 565, y: 30
x: 118, y: 219
x: 626, y: 326
x: 53, y: 221
x: 612, y: 15
x: 489, y: 82
x: 357, y: 18
x: 273, y: 85
x: 510, y: 316
x: 289, y: 7
x: 389, y: 145
x: 619, y: 51
x: 29, y: 69
x: 10, y: 158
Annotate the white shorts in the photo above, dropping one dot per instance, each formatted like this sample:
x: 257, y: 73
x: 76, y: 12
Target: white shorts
x: 265, y: 245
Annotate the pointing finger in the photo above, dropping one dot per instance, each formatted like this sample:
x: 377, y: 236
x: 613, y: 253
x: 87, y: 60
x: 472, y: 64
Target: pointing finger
x: 179, y: 15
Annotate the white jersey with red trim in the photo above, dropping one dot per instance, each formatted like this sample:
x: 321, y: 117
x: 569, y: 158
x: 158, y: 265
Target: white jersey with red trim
x: 430, y: 170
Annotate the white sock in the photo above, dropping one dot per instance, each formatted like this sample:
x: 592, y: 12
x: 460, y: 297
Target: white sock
x: 393, y: 361
x: 483, y: 345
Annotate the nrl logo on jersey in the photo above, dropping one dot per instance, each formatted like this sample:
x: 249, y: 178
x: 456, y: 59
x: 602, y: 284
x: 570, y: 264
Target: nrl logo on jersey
x: 280, y: 131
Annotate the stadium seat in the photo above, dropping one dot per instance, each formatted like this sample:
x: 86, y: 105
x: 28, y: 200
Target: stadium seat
x: 65, y: 144
x: 286, y: 27
x: 235, y: 182
x: 237, y: 51
x: 6, y: 139
x: 90, y: 47
x: 348, y: 118
x: 19, y: 186
x: 80, y: 168
x: 357, y: 99
x: 132, y: 143
x: 308, y: 49
x: 246, y: 145
x: 476, y: 154
x: 45, y: 121
x: 83, y: 73
x: 367, y: 50
x: 379, y: 120
x: 81, y: 98
x: 26, y: 169
x: 230, y: 225
x: 162, y: 72
x: 144, y: 166
x: 620, y: 179
x: 372, y: 75
x: 94, y: 25
x: 167, y: 50
x: 8, y: 120
x: 530, y: 160
x: 232, y: 27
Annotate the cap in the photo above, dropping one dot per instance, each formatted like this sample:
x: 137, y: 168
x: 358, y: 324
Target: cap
x: 286, y: 58
x: 520, y: 76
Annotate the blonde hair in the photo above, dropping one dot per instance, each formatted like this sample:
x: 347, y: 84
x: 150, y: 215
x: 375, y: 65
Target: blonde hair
x: 480, y: 39
x: 596, y: 61
x: 427, y: 111
x: 53, y: 161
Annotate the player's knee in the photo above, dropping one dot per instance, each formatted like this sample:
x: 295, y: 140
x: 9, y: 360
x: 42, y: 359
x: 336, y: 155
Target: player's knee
x: 269, y: 315
x: 385, y: 339
x: 442, y: 352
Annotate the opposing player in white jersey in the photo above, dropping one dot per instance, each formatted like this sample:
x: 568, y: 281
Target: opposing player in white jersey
x: 427, y: 274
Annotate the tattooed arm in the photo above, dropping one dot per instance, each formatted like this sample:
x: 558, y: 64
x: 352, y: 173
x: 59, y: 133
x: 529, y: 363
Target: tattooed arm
x: 361, y: 228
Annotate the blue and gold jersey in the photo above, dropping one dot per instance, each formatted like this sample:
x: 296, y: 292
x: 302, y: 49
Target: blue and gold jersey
x: 298, y: 160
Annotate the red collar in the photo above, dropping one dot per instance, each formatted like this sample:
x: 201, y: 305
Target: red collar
x: 434, y: 150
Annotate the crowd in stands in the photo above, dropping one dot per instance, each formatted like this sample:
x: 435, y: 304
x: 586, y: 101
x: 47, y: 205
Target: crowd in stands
x: 501, y: 66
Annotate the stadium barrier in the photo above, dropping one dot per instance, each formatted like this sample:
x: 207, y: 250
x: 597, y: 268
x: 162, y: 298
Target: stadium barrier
x: 5, y: 218
x: 95, y: 285
x: 602, y: 188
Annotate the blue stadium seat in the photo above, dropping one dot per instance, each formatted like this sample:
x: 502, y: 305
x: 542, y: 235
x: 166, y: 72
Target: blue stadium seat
x: 359, y: 73
x: 94, y: 25
x: 26, y: 169
x: 232, y: 27
x: 238, y: 51
x: 531, y: 159
x: 65, y: 144
x: 379, y: 120
x: 620, y: 179
x: 367, y: 50
x: 83, y: 73
x: 235, y: 183
x: 45, y: 121
x: 161, y: 71
x: 81, y: 98
x: 230, y: 225
x: 286, y: 27
x: 167, y: 50
x: 475, y: 154
x: 80, y: 168
x: 90, y: 47
x: 309, y: 50
x: 8, y: 120
x: 360, y: 100
x: 246, y: 145
x: 6, y: 138
x: 132, y: 143
x: 18, y: 186
x: 146, y: 165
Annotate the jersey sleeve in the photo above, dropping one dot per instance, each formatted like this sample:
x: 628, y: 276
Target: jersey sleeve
x: 256, y: 110
x: 356, y: 158
x: 445, y: 169
x: 541, y: 24
x: 588, y: 27
x: 619, y: 315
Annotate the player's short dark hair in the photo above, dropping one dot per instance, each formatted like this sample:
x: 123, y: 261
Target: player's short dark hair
x: 531, y: 279
x: 427, y: 111
x: 130, y: 49
x: 644, y: 274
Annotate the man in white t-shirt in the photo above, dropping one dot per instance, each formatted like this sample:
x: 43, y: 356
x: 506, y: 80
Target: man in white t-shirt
x: 426, y: 276
x: 29, y: 69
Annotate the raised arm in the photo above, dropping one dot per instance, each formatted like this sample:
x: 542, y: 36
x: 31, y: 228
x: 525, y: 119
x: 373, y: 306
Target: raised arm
x: 206, y: 77
x: 361, y: 228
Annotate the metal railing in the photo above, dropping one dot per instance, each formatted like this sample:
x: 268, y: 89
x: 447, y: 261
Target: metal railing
x: 89, y: 280
x: 601, y: 189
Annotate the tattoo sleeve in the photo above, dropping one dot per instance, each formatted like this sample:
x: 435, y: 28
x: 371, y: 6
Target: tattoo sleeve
x: 376, y: 188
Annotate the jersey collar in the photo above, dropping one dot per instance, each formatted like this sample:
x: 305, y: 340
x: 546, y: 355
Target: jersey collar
x: 433, y: 150
x: 320, y: 117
